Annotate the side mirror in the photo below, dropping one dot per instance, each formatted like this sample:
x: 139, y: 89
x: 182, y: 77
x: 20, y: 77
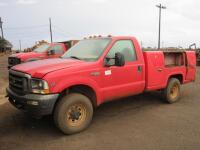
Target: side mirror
x: 51, y: 52
x: 119, y: 59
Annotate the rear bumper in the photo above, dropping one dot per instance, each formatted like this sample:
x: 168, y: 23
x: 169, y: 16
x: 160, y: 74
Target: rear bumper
x: 34, y: 104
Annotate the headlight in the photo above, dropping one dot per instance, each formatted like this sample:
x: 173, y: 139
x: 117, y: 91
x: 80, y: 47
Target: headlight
x: 39, y: 86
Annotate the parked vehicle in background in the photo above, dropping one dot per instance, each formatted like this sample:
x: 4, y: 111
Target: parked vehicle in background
x: 44, y: 51
x: 95, y: 71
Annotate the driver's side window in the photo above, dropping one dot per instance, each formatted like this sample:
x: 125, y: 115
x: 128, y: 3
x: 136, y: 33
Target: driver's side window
x: 125, y: 47
x: 58, y: 49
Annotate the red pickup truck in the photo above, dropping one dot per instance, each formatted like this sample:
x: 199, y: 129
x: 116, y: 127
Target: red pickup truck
x: 95, y: 71
x: 52, y: 50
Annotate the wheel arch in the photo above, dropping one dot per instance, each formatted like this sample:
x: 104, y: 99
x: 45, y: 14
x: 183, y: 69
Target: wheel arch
x: 84, y: 89
x: 177, y: 76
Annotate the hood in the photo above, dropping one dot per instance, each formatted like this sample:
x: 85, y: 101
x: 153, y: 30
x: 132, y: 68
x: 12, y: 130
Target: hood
x: 25, y: 56
x: 40, y: 68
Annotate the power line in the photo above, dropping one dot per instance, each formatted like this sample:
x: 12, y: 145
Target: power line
x: 28, y: 38
x: 26, y: 33
x: 63, y: 31
x: 41, y: 33
x: 55, y: 27
x: 26, y: 27
x: 59, y: 32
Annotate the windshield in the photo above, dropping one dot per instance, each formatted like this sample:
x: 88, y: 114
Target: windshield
x: 42, y: 48
x: 88, y: 50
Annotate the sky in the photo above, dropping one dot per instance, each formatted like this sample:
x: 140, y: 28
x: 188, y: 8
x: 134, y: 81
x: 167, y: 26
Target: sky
x: 28, y: 20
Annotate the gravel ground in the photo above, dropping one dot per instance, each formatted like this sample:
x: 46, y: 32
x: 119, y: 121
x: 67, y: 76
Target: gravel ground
x: 141, y: 122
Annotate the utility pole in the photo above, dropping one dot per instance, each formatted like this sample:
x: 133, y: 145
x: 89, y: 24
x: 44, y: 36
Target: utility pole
x: 1, y: 26
x: 50, y: 30
x: 160, y: 8
x: 20, y: 45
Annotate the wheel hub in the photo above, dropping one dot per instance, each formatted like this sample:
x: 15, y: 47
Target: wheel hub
x: 174, y: 91
x: 76, y: 115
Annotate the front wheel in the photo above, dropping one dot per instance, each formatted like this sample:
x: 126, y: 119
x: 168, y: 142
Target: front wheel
x: 172, y: 92
x: 73, y: 113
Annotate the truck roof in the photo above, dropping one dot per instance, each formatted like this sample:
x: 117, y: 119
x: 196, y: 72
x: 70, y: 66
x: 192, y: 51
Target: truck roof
x: 167, y: 50
x: 112, y: 37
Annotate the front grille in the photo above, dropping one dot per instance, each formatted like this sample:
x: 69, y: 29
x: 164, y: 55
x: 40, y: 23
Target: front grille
x: 13, y: 61
x: 18, y: 82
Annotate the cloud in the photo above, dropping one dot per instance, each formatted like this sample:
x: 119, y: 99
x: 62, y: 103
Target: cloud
x: 99, y: 1
x: 79, y: 2
x: 3, y: 4
x: 27, y: 2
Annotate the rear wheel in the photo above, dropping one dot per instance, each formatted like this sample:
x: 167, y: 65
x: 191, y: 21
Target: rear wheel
x: 73, y: 113
x: 172, y: 92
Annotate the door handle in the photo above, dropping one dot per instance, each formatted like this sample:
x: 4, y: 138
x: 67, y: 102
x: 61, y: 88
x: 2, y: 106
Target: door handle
x: 139, y: 69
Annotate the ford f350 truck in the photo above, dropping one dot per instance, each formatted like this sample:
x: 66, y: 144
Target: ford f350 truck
x: 44, y: 51
x: 95, y: 71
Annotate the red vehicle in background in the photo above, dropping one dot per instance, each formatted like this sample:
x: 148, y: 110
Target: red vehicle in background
x: 95, y: 71
x: 44, y: 51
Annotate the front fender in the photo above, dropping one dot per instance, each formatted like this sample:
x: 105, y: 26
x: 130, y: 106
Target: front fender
x: 60, y: 85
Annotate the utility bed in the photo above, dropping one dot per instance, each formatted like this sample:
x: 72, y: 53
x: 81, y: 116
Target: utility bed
x: 159, y: 65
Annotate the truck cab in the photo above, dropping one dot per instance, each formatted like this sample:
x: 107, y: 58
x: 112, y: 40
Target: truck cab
x: 95, y: 71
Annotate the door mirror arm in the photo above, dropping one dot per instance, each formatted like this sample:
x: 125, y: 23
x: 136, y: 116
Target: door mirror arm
x: 106, y: 62
x: 119, y: 60
x: 51, y: 52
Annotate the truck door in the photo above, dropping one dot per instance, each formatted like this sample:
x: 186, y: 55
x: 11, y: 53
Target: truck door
x: 125, y: 80
x: 191, y: 65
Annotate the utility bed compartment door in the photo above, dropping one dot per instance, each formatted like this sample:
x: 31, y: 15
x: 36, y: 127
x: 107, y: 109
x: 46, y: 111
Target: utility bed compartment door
x: 191, y: 66
x: 155, y: 72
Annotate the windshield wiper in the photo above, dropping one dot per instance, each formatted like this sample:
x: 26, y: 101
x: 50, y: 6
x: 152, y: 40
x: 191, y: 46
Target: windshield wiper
x: 75, y: 57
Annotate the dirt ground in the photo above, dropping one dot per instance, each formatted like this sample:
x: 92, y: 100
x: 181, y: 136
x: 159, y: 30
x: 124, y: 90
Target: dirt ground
x: 141, y: 122
x: 3, y: 77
